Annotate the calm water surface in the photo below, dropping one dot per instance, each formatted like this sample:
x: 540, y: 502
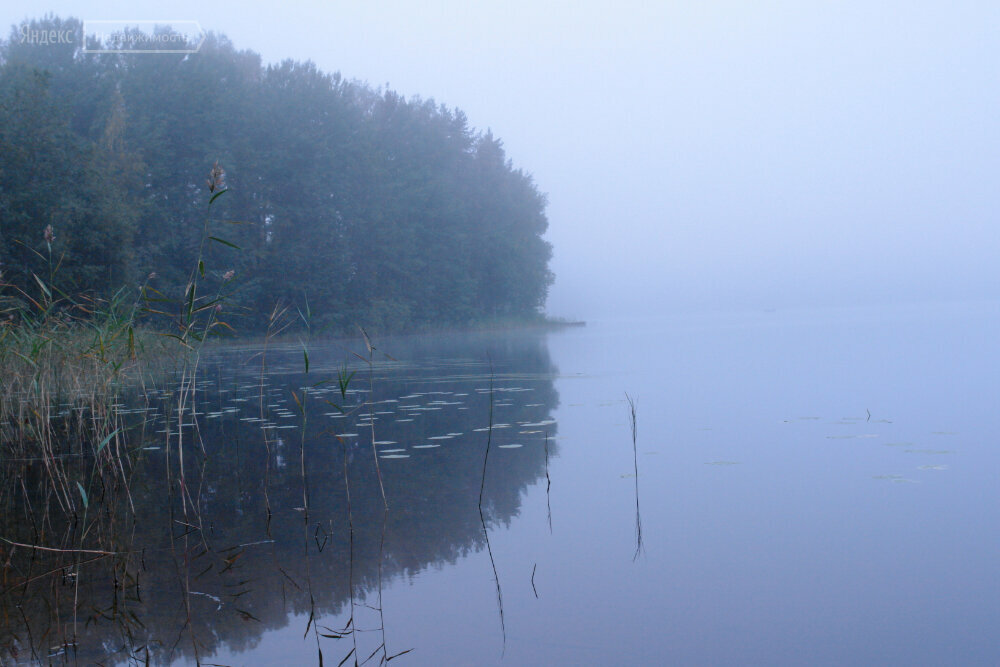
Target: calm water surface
x: 815, y: 487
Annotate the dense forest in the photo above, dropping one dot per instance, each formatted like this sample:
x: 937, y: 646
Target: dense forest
x: 350, y: 203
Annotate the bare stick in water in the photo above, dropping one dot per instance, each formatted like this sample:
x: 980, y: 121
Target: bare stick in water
x: 635, y: 462
x: 548, y: 481
x: 482, y: 518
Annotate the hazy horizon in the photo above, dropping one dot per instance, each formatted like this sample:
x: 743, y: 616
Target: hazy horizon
x: 696, y: 157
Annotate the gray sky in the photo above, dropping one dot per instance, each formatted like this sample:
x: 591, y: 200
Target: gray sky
x: 697, y: 155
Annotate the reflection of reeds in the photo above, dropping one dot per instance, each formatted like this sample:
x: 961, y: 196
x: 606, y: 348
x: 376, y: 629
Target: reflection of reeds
x: 277, y: 322
x: 385, y: 503
x: 548, y: 483
x: 66, y: 365
x: 65, y: 362
x: 635, y: 463
x: 301, y: 405
x: 482, y: 517
x: 98, y: 549
x: 351, y: 627
x: 371, y: 407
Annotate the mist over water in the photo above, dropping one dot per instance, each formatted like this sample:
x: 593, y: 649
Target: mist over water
x: 778, y: 222
x: 814, y: 485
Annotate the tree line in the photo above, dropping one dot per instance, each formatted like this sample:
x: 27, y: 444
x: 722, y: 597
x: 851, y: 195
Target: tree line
x: 347, y: 203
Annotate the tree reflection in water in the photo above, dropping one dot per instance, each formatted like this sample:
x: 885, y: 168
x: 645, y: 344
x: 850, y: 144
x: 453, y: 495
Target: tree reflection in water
x: 263, y: 539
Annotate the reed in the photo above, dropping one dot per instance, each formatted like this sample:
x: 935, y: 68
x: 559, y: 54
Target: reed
x: 482, y: 516
x: 63, y: 364
x: 67, y: 363
x: 635, y: 463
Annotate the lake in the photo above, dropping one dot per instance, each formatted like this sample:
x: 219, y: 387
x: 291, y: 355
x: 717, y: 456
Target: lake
x: 814, y: 487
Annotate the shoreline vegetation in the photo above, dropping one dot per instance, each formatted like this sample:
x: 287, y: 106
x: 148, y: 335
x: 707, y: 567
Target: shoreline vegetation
x: 345, y: 206
x: 86, y: 379
x: 65, y: 361
x: 348, y: 204
x: 342, y: 209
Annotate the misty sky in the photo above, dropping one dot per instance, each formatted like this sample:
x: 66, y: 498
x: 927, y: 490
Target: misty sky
x: 697, y: 155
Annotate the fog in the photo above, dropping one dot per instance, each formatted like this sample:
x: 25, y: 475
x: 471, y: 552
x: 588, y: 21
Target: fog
x: 699, y: 155
x: 808, y: 186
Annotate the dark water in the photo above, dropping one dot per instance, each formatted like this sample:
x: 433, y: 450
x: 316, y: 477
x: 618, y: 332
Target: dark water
x: 815, y: 487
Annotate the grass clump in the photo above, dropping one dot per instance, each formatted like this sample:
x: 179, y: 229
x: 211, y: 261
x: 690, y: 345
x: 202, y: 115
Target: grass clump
x: 67, y: 359
x: 63, y: 360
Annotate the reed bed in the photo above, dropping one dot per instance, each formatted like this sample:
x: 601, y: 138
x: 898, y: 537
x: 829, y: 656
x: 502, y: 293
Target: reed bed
x: 70, y: 361
x: 61, y: 377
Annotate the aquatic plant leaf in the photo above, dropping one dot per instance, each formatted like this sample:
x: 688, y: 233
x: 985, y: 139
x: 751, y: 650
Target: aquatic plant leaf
x: 368, y: 342
x: 190, y: 299
x: 343, y: 380
x: 207, y: 306
x: 83, y: 495
x: 30, y: 361
x: 42, y: 285
x: 398, y: 654
x: 179, y: 338
x: 379, y: 648
x: 106, y: 440
x: 346, y: 658
x: 224, y: 242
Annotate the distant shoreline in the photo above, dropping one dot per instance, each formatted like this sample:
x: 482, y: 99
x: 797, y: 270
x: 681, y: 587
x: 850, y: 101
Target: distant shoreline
x: 545, y: 324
